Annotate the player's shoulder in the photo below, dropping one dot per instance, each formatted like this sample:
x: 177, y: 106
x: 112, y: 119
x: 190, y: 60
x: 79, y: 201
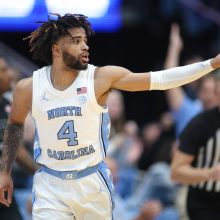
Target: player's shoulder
x: 110, y: 71
x: 24, y: 85
x: 109, y: 68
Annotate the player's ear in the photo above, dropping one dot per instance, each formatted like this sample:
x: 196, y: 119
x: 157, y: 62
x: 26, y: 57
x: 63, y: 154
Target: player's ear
x: 56, y: 50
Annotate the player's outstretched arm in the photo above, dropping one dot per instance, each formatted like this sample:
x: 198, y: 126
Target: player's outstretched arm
x: 13, y: 137
x: 120, y: 78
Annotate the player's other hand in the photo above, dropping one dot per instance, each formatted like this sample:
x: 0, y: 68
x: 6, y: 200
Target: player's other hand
x: 6, y: 184
x: 175, y: 38
x: 151, y: 209
x: 215, y: 173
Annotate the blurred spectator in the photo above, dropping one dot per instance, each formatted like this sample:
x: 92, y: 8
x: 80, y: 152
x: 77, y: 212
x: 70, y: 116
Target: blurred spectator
x: 24, y: 158
x: 127, y: 155
x: 183, y: 108
x: 11, y: 212
x: 155, y: 135
x: 166, y: 122
x: 15, y: 77
x: 129, y: 151
x: 115, y: 104
x: 145, y: 204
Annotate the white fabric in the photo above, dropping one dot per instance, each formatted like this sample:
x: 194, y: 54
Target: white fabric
x: 86, y: 198
x: 168, y: 79
x: 52, y: 149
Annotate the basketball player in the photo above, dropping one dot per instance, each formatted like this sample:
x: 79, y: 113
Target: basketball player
x: 68, y: 103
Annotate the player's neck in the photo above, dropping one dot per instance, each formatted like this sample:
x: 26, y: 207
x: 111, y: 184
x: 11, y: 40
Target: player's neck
x: 62, y: 77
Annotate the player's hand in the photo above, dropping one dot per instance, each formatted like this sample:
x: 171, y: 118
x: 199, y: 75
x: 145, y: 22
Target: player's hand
x: 6, y: 184
x: 151, y: 209
x: 175, y: 38
x: 215, y: 62
x: 215, y: 173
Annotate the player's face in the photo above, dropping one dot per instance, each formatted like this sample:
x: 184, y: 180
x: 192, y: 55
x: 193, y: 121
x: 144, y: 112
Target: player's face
x: 5, y: 78
x: 75, y: 50
x: 207, y: 93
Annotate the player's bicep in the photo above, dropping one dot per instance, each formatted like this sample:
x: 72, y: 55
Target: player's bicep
x: 133, y: 82
x: 123, y: 79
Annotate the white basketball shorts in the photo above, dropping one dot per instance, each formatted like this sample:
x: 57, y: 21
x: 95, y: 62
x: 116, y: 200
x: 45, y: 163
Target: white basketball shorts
x: 86, y: 198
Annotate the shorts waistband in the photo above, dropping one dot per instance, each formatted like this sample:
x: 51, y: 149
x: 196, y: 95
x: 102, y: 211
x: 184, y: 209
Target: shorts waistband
x: 69, y: 175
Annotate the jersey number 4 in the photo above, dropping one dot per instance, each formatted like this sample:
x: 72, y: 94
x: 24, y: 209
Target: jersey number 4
x: 67, y: 132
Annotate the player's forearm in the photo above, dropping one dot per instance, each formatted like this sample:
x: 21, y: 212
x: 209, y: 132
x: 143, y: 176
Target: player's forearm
x: 12, y: 140
x: 26, y: 161
x: 178, y: 76
x: 187, y: 174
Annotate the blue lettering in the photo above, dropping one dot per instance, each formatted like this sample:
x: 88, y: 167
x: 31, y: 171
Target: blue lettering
x: 78, y: 153
x: 71, y: 108
x: 57, y: 112
x: 64, y: 111
x: 61, y: 155
x: 91, y: 149
x: 50, y: 114
x: 84, y: 151
x: 55, y: 155
x: 49, y: 153
x: 73, y: 156
x: 67, y: 155
x: 78, y: 111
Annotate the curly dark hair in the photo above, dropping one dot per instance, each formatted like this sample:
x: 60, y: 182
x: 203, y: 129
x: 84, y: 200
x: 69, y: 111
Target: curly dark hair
x: 42, y: 40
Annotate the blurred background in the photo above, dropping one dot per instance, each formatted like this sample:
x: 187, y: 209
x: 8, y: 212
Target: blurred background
x: 138, y: 35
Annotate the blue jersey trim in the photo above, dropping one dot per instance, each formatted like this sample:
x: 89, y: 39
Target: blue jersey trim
x: 34, y: 198
x: 100, y: 136
x: 37, y: 151
x: 105, y: 130
x: 107, y: 189
x: 72, y: 174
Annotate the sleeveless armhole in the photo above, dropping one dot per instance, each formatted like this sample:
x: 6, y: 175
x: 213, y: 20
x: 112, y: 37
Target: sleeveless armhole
x: 36, y: 87
x: 91, y: 90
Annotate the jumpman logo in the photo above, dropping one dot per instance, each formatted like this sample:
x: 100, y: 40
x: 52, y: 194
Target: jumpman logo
x: 201, y: 65
x: 44, y: 97
x: 101, y: 190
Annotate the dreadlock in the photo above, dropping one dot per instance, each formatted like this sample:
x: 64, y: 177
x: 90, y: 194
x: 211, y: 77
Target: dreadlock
x: 42, y: 40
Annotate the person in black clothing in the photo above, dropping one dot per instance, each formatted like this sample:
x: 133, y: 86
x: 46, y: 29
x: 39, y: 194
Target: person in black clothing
x: 197, y: 163
x: 24, y: 158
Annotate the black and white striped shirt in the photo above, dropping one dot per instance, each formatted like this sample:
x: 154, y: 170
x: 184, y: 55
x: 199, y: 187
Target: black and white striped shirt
x: 201, y: 138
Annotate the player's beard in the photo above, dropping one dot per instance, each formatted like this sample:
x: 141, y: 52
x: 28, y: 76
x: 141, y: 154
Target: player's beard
x: 72, y: 62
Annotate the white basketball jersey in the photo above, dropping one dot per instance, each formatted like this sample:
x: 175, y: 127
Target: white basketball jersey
x: 71, y: 128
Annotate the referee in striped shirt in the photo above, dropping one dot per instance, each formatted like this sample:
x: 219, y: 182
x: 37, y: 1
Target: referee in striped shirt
x: 196, y: 163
